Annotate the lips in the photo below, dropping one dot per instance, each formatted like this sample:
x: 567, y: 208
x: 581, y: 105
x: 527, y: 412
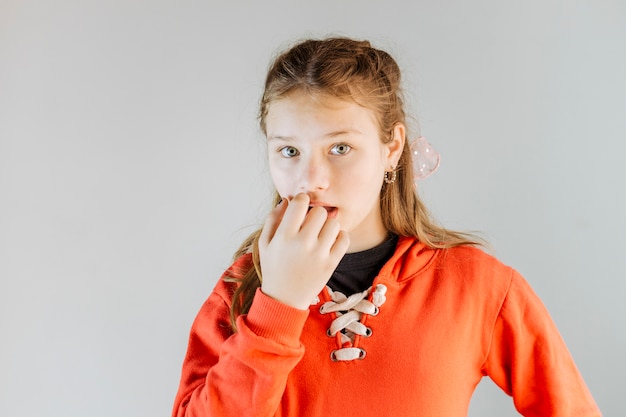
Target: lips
x: 331, y: 210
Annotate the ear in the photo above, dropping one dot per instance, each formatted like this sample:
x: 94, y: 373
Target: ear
x: 395, y: 146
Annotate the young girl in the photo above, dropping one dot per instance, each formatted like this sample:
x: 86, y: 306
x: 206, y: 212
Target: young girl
x: 351, y: 301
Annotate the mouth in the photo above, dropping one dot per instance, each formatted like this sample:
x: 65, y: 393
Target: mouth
x: 332, y: 211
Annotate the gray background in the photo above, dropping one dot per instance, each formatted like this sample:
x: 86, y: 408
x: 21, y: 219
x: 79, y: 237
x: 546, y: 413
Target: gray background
x: 131, y: 167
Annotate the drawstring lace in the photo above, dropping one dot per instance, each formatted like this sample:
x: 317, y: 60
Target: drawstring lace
x: 349, y: 311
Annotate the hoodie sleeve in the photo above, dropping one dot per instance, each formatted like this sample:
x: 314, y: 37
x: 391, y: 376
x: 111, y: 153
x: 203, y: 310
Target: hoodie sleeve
x: 244, y: 373
x: 528, y: 359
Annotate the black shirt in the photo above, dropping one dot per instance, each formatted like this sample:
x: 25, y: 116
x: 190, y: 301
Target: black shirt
x: 356, y: 271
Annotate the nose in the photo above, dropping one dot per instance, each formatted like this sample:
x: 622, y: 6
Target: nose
x: 313, y: 175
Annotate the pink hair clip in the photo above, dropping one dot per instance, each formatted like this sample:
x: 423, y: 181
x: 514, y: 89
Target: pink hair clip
x: 425, y: 158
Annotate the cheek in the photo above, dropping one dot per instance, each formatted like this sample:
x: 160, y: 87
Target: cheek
x: 280, y: 179
x: 361, y: 184
x: 369, y: 173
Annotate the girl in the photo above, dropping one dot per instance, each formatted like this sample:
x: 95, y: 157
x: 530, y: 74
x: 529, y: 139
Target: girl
x: 350, y: 301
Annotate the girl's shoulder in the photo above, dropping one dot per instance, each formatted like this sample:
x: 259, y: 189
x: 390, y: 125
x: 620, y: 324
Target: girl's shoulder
x: 412, y: 257
x: 462, y: 269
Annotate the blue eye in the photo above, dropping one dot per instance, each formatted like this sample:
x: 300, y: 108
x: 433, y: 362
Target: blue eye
x: 289, y: 152
x: 340, y: 149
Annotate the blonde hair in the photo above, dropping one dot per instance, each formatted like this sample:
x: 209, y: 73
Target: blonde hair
x: 351, y: 70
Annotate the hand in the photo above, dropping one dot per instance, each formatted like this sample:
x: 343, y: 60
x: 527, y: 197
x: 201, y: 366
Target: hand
x: 299, y: 250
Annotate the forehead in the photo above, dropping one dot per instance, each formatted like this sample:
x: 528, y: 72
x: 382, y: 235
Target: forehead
x: 302, y: 112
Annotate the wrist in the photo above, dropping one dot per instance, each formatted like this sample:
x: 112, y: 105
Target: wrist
x: 272, y: 319
x: 287, y: 299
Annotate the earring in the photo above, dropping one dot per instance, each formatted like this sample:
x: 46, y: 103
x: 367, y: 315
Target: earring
x: 390, y: 176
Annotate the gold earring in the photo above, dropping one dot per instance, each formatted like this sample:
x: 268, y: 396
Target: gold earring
x: 390, y: 176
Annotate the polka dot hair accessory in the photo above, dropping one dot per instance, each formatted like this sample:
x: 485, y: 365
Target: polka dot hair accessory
x: 425, y: 158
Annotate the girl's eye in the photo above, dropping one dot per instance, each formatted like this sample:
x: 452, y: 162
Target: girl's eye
x: 340, y: 149
x: 289, y: 152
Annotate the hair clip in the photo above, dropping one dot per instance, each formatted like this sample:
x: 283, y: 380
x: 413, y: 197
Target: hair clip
x: 425, y: 158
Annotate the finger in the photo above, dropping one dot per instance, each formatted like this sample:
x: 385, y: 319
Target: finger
x: 314, y: 222
x: 329, y: 232
x: 340, y: 247
x: 294, y: 215
x: 272, y: 222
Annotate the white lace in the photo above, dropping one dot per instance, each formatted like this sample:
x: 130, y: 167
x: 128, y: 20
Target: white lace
x: 349, y: 311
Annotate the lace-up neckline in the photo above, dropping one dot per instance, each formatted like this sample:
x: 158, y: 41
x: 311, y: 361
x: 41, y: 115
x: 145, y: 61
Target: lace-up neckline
x: 347, y: 324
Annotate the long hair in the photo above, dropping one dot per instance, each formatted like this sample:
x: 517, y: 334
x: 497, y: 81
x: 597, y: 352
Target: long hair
x: 351, y: 70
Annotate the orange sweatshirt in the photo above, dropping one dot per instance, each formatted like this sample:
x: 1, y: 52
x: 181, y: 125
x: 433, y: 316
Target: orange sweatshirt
x: 449, y: 317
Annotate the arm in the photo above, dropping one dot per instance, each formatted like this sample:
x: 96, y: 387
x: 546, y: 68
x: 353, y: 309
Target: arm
x: 529, y: 360
x: 244, y: 373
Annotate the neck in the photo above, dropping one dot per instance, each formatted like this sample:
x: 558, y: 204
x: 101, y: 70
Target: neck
x: 363, y: 241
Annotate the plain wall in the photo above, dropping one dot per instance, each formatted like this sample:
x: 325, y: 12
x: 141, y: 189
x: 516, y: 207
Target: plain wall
x: 131, y: 167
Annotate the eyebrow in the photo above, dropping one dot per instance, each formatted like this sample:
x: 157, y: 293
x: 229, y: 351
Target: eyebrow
x: 329, y: 135
x: 278, y: 137
x: 343, y: 132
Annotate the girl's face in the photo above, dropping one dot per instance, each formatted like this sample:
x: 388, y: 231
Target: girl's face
x: 330, y: 149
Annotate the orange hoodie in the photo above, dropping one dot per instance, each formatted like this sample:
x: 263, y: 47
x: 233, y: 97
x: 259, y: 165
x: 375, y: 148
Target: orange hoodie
x: 448, y: 318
